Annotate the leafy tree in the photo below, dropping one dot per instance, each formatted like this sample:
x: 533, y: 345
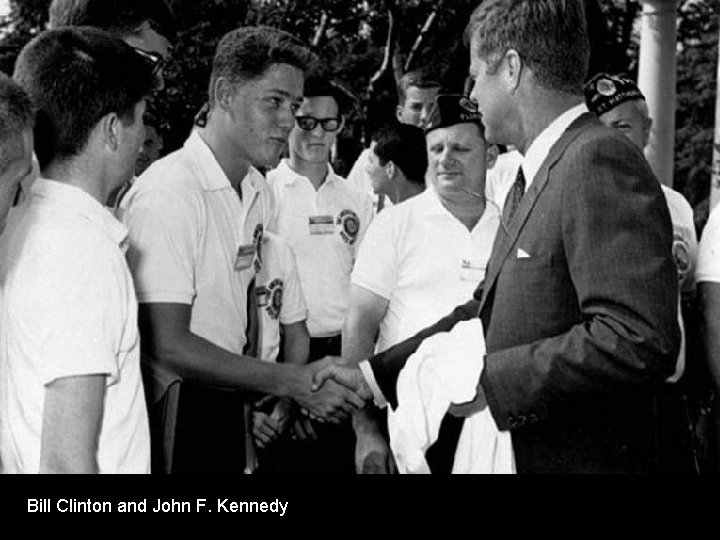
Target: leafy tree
x: 350, y: 37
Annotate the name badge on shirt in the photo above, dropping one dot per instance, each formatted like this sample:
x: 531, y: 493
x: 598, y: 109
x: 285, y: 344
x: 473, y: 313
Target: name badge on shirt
x: 245, y: 256
x: 472, y: 271
x: 322, y: 225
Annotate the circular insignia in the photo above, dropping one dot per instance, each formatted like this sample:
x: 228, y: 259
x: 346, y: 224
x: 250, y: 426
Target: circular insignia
x: 468, y: 105
x: 681, y: 254
x: 275, y: 289
x: 606, y: 87
x: 349, y: 226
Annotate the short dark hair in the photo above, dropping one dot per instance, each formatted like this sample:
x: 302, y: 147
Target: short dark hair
x: 416, y: 78
x: 16, y: 115
x: 75, y: 76
x: 549, y: 35
x: 246, y: 53
x: 319, y: 85
x: 404, y: 145
x: 119, y: 17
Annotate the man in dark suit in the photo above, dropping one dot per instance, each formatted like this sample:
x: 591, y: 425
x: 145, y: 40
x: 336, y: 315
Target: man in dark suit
x: 579, y: 298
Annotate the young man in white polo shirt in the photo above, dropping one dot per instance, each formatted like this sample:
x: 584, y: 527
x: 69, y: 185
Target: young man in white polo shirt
x: 398, y: 162
x: 416, y: 95
x: 423, y: 257
x: 323, y: 219
x: 16, y: 141
x: 196, y: 221
x: 71, y: 396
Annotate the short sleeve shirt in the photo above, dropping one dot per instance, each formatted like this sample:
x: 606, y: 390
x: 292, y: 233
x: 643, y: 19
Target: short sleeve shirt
x: 68, y: 310
x: 280, y: 298
x: 708, y: 264
x: 324, y: 229
x: 421, y: 259
x: 193, y: 240
x: 685, y: 253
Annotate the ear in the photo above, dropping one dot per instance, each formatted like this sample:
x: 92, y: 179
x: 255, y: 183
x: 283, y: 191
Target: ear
x: 514, y: 66
x: 224, y: 91
x: 111, y: 128
x: 399, y: 113
x: 390, y: 169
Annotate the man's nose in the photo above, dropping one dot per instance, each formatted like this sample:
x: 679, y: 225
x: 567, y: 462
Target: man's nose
x: 424, y: 116
x: 286, y: 118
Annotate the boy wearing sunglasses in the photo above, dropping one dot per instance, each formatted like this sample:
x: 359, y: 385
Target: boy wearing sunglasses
x: 324, y: 220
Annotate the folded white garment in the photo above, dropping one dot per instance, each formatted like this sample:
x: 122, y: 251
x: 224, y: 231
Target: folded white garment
x: 444, y: 370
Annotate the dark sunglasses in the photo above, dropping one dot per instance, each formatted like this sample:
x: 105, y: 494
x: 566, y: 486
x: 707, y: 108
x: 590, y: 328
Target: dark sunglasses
x: 154, y: 60
x: 308, y: 123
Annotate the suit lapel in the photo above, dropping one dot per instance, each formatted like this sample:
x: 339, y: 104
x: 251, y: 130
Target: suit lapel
x: 506, y: 239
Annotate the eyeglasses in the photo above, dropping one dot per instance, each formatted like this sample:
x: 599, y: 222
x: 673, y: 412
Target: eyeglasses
x: 308, y: 123
x: 154, y: 60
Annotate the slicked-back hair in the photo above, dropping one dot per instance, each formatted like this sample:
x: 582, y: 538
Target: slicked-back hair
x: 119, y: 17
x: 404, y: 145
x: 416, y: 78
x: 16, y: 115
x: 75, y: 76
x: 549, y: 35
x: 246, y: 53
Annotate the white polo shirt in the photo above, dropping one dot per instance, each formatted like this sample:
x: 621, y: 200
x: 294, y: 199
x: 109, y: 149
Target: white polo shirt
x: 685, y: 252
x: 192, y: 239
x: 324, y: 228
x: 280, y: 298
x: 501, y: 176
x: 708, y: 263
x: 68, y: 310
x: 420, y: 258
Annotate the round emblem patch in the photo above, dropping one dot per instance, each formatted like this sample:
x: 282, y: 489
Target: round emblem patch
x: 681, y: 254
x: 275, y: 290
x: 349, y: 226
x: 606, y: 87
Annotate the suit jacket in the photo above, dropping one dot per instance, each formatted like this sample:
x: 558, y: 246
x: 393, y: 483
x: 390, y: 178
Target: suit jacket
x: 580, y: 334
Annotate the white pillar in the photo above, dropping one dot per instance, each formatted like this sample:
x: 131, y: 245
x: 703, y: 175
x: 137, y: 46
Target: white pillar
x: 657, y: 78
x: 715, y: 176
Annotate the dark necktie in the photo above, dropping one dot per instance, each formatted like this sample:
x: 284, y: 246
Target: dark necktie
x: 513, y: 198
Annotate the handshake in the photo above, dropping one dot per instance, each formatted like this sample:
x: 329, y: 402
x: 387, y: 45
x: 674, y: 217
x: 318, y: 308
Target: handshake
x: 332, y: 389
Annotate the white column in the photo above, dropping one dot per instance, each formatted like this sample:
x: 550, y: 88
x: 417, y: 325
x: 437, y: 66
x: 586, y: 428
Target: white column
x: 715, y: 176
x: 657, y: 78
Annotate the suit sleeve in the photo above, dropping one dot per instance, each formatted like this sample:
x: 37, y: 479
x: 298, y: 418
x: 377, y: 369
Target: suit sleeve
x: 387, y: 365
x: 616, y: 236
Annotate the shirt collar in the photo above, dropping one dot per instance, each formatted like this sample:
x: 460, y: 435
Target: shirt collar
x: 540, y: 147
x: 289, y: 177
x: 430, y: 200
x: 75, y: 200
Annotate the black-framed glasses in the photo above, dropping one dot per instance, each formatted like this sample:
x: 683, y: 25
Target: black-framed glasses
x: 156, y: 61
x: 308, y: 123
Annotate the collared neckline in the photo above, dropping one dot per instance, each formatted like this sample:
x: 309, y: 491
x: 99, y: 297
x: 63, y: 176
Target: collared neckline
x: 289, y: 177
x: 540, y: 147
x: 75, y: 199
x: 212, y: 176
x: 430, y: 200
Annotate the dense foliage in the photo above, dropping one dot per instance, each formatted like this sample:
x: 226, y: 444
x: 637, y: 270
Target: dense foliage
x: 351, y: 37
